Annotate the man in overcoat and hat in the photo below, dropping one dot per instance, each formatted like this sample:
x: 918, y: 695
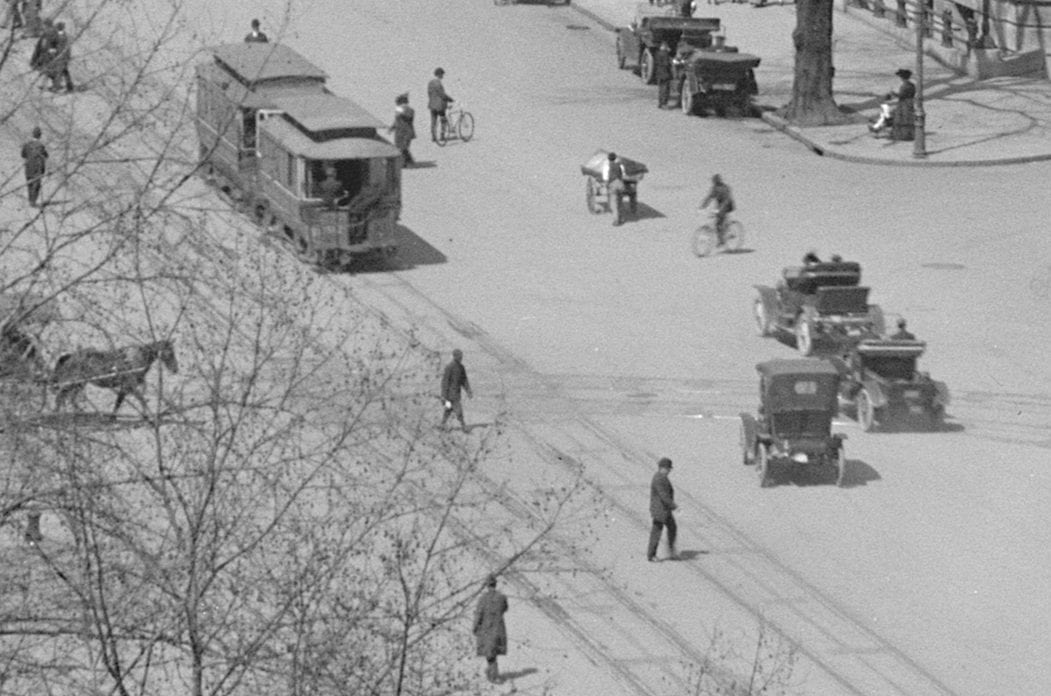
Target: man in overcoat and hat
x: 437, y: 101
x: 662, y: 506
x: 35, y: 155
x: 454, y: 381
x: 490, y: 632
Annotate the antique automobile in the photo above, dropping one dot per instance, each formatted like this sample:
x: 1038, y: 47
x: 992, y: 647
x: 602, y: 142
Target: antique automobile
x: 599, y: 197
x: 717, y: 80
x: 793, y: 429
x: 637, y: 43
x: 820, y: 303
x: 882, y: 387
x: 309, y: 165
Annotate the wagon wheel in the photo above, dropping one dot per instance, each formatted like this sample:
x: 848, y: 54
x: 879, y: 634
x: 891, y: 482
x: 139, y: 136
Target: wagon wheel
x: 762, y: 466
x: 841, y: 467
x: 762, y: 319
x: 646, y: 67
x: 804, y: 336
x: 592, y: 196
x: 866, y: 411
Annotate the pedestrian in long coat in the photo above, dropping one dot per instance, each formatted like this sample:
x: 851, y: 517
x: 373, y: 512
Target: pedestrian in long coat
x: 404, y: 131
x: 58, y: 65
x: 662, y: 72
x: 490, y: 632
x: 35, y: 155
x: 454, y: 380
x: 662, y: 505
x: 38, y: 60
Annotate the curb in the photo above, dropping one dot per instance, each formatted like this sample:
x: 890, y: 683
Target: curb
x: 795, y: 133
x: 823, y: 151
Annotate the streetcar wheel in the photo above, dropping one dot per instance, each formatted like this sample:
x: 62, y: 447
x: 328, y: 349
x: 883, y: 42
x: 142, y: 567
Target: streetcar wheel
x: 703, y: 240
x: 465, y: 127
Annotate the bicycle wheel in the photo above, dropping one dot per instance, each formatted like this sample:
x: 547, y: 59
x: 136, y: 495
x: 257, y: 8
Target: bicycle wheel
x: 443, y: 132
x: 704, y: 240
x: 465, y: 126
x: 734, y: 236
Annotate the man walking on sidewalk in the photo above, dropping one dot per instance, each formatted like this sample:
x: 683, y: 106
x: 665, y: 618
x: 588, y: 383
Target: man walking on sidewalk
x: 490, y: 632
x: 35, y: 155
x: 662, y: 505
x: 454, y: 379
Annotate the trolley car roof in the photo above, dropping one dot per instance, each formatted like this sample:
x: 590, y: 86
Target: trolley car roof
x: 296, y: 141
x: 323, y: 111
x: 259, y: 62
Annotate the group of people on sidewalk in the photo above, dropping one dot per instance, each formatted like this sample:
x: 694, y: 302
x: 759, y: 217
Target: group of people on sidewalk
x: 51, y: 54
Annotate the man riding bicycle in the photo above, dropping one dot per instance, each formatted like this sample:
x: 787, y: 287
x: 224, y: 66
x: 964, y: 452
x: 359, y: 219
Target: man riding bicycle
x: 722, y: 197
x: 437, y: 102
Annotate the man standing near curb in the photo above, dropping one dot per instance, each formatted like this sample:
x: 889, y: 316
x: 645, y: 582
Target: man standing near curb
x: 662, y: 504
x: 437, y: 101
x: 453, y: 380
x: 35, y: 155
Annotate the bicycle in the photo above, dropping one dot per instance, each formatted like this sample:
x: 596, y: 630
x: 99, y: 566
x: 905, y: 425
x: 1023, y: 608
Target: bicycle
x: 457, y: 123
x: 706, y: 240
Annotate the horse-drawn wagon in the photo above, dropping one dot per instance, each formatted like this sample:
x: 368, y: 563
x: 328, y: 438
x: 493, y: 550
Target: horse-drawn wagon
x: 22, y: 318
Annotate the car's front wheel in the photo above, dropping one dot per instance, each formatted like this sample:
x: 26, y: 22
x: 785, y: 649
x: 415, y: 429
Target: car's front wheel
x: 646, y: 67
x: 804, y: 336
x: 866, y: 411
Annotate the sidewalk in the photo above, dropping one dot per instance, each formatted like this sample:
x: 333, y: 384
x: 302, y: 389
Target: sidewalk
x: 969, y: 123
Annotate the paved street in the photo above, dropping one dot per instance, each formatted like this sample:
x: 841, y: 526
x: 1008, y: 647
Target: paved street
x: 613, y: 346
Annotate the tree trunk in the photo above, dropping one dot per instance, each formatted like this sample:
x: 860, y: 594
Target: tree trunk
x: 812, y: 103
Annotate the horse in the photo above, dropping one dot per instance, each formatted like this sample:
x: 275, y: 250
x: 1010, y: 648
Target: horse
x: 123, y: 370
x: 19, y: 355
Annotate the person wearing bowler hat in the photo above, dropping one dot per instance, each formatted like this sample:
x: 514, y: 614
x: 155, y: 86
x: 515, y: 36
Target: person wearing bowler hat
x: 490, y: 632
x: 662, y: 507
x: 256, y: 35
x: 899, y: 110
x: 403, y: 129
x: 437, y: 101
x: 454, y: 380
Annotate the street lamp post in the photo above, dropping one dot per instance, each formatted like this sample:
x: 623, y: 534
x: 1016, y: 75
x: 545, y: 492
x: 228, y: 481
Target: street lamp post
x: 919, y: 140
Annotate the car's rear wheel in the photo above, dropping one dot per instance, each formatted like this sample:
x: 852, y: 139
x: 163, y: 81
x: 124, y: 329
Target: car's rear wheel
x: 804, y: 336
x: 646, y: 67
x: 866, y: 411
x: 841, y: 467
x: 762, y: 466
x: 762, y: 319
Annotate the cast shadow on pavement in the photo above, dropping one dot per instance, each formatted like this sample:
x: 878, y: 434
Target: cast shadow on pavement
x: 518, y: 674
x: 858, y: 473
x: 691, y: 554
x: 413, y: 251
x: 421, y: 164
x: 643, y: 212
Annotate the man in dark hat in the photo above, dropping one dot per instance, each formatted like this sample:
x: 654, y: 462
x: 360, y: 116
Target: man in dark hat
x: 256, y: 35
x: 489, y: 630
x: 898, y: 111
x: 59, y: 55
x: 903, y: 334
x: 662, y: 505
x: 437, y: 101
x: 35, y: 155
x: 454, y: 380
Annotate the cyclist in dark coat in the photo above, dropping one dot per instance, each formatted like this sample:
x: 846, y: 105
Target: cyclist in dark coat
x: 720, y: 194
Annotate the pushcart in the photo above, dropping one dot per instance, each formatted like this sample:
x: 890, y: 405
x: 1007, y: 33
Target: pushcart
x: 601, y: 195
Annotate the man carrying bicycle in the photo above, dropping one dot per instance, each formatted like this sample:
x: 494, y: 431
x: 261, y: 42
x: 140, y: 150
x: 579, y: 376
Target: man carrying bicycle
x: 437, y: 101
x: 722, y: 197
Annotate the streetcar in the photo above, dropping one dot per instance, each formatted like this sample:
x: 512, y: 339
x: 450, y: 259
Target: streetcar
x: 309, y: 165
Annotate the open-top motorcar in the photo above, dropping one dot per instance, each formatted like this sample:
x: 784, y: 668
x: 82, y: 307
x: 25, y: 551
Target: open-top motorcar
x: 793, y: 428
x: 882, y: 387
x: 653, y: 25
x: 822, y: 304
x: 719, y: 81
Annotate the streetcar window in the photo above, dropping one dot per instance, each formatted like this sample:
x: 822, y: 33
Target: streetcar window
x: 248, y: 128
x: 378, y: 173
